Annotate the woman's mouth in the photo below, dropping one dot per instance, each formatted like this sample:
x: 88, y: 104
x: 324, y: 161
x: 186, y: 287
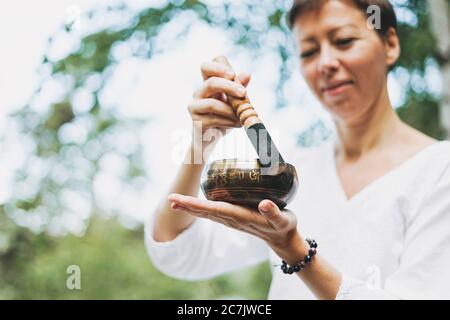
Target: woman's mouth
x: 336, y: 88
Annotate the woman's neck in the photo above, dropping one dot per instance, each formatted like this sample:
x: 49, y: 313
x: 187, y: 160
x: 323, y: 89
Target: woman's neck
x: 371, y: 132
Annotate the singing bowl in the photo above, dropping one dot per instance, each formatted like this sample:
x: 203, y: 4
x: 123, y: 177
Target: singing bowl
x: 247, y: 182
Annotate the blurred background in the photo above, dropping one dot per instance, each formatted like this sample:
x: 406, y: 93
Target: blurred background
x: 94, y: 121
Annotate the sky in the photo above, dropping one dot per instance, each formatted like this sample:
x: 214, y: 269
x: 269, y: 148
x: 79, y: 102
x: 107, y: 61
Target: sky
x: 160, y: 88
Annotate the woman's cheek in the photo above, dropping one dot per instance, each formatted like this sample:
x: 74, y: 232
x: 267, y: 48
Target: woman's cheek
x: 367, y: 72
x: 309, y: 73
x: 365, y: 61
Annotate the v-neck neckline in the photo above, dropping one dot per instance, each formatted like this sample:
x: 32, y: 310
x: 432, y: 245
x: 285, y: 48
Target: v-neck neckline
x: 379, y: 180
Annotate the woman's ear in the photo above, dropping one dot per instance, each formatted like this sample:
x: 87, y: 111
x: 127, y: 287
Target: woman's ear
x: 392, y: 47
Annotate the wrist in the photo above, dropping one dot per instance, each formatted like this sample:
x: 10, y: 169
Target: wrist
x: 293, y: 250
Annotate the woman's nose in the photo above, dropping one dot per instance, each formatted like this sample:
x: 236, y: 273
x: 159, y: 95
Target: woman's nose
x: 328, y: 62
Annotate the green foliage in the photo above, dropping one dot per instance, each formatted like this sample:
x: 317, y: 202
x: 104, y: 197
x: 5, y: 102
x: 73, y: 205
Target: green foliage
x: 275, y: 18
x: 420, y: 109
x: 114, y: 265
x: 417, y: 41
x: 422, y: 112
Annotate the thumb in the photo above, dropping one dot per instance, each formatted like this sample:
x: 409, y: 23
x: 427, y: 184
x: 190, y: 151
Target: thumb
x: 272, y: 213
x: 244, y: 79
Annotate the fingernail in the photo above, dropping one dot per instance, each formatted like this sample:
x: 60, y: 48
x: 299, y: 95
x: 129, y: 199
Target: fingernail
x: 242, y: 91
x: 266, y: 207
x: 229, y: 74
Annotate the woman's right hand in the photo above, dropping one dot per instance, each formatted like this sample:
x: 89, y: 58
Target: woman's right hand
x: 210, y: 108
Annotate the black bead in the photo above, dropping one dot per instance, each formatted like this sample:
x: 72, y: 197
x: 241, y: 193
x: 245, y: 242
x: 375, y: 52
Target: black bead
x: 302, y: 264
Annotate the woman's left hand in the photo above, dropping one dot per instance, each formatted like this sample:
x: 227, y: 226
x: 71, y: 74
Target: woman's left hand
x: 277, y: 227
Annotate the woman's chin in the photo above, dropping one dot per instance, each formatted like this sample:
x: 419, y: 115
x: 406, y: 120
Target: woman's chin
x: 350, y: 119
x: 343, y: 112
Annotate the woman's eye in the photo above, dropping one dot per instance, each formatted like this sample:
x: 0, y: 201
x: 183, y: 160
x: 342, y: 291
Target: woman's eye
x: 308, y: 53
x: 344, y: 41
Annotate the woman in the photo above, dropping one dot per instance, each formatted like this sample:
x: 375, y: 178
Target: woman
x: 376, y: 200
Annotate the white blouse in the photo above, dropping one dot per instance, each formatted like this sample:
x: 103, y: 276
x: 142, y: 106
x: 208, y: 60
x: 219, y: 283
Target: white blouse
x: 390, y: 241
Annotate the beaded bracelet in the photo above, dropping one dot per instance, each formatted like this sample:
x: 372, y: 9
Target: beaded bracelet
x: 306, y: 260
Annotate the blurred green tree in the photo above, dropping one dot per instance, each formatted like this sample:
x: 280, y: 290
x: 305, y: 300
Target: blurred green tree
x: 40, y: 191
x: 440, y: 27
x: 113, y: 265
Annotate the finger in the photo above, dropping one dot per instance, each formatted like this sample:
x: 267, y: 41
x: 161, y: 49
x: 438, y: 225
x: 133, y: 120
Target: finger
x: 213, y: 106
x: 213, y: 69
x: 244, y: 79
x: 223, y: 61
x: 222, y: 97
x: 227, y: 222
x: 274, y: 216
x: 194, y: 204
x: 177, y: 208
x: 214, y: 208
x: 232, y: 216
x: 219, y: 85
x: 222, y: 220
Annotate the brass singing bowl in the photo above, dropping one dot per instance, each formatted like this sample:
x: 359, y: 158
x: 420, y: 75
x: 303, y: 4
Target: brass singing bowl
x: 247, y: 182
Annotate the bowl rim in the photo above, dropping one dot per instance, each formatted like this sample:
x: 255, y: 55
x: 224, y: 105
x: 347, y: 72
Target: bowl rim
x: 236, y: 163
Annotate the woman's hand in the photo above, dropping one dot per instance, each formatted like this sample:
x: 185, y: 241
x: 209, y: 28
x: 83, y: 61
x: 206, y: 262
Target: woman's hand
x: 210, y: 108
x: 278, y: 228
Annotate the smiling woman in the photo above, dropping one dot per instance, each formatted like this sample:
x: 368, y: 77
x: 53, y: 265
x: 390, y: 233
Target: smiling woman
x: 375, y: 198
x: 344, y: 62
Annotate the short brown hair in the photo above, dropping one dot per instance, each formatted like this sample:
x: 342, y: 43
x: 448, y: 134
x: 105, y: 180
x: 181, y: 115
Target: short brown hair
x: 388, y: 16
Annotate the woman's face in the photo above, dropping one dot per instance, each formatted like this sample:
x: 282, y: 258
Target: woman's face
x: 344, y: 62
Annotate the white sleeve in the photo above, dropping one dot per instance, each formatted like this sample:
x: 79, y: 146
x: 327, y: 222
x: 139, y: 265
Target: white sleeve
x: 424, y: 271
x: 204, y: 250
